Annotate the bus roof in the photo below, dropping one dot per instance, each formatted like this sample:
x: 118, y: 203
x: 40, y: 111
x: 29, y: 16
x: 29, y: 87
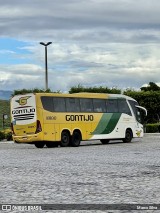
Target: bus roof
x: 86, y: 95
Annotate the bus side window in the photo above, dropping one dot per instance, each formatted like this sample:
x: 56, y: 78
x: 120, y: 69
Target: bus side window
x: 112, y: 105
x: 47, y: 103
x: 99, y: 105
x: 86, y: 105
x: 59, y: 104
x: 123, y: 107
x: 72, y: 105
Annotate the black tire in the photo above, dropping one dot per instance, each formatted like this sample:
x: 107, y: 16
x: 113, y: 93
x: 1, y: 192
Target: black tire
x: 51, y: 144
x: 65, y: 139
x: 104, y: 141
x: 39, y: 144
x: 128, y: 136
x: 76, y: 139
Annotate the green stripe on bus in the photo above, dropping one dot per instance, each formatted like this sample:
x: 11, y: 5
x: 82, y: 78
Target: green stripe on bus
x: 102, y: 123
x: 107, y: 123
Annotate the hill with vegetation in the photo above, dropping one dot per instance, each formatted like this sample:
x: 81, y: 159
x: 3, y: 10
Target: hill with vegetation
x: 4, y: 110
x: 5, y: 95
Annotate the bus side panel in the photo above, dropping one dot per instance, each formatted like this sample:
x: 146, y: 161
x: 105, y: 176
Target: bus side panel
x: 49, y: 132
x: 114, y: 125
x: 85, y: 129
x: 48, y: 126
x: 106, y: 125
x: 72, y: 122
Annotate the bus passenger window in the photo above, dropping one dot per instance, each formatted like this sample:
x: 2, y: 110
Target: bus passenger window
x: 72, y: 105
x: 59, y: 104
x: 112, y: 105
x: 47, y: 103
x: 86, y: 105
x: 99, y: 105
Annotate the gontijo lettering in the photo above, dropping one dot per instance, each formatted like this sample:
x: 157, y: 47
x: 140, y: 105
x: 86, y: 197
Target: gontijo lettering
x: 79, y: 118
x: 23, y: 111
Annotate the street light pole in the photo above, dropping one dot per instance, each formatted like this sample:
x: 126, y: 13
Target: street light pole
x: 46, y: 65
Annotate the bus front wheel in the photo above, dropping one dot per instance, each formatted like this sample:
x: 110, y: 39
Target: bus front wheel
x: 65, y: 139
x: 128, y: 136
x: 104, y: 141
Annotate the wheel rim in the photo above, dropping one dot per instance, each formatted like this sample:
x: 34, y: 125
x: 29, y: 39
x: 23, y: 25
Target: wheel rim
x: 65, y: 139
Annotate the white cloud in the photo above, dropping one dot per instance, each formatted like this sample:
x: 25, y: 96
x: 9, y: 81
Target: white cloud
x: 95, y: 42
x: 68, y: 65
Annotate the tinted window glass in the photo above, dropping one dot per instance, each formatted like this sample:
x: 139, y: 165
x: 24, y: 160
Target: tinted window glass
x: 123, y: 107
x: 112, y: 105
x: 47, y: 103
x: 99, y: 105
x: 136, y: 111
x: 72, y: 105
x: 133, y: 104
x: 59, y: 104
x: 86, y: 105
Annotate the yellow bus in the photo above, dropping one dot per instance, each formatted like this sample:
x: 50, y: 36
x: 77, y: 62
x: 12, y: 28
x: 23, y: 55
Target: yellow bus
x: 53, y: 119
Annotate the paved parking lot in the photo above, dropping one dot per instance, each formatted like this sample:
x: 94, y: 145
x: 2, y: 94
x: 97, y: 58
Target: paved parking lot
x: 92, y: 173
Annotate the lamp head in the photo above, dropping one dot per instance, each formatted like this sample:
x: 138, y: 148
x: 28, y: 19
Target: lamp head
x: 42, y: 43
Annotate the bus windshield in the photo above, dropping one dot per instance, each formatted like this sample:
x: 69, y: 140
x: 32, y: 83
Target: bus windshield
x: 139, y: 112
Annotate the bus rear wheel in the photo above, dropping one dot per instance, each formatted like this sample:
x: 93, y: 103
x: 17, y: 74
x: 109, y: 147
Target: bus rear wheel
x: 128, y: 136
x: 104, y: 141
x: 65, y: 139
x: 76, y: 139
x: 39, y: 144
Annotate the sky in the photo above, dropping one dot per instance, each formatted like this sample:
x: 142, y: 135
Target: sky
x: 113, y: 43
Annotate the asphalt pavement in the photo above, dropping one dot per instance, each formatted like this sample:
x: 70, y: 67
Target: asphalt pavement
x: 116, y: 173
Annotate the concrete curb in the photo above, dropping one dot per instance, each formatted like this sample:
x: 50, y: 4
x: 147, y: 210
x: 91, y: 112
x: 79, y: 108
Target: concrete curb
x: 152, y: 134
x: 6, y: 142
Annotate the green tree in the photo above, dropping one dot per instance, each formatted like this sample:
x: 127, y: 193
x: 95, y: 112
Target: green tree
x: 35, y: 90
x: 25, y: 91
x: 151, y: 87
x: 150, y: 100
x: 80, y: 88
